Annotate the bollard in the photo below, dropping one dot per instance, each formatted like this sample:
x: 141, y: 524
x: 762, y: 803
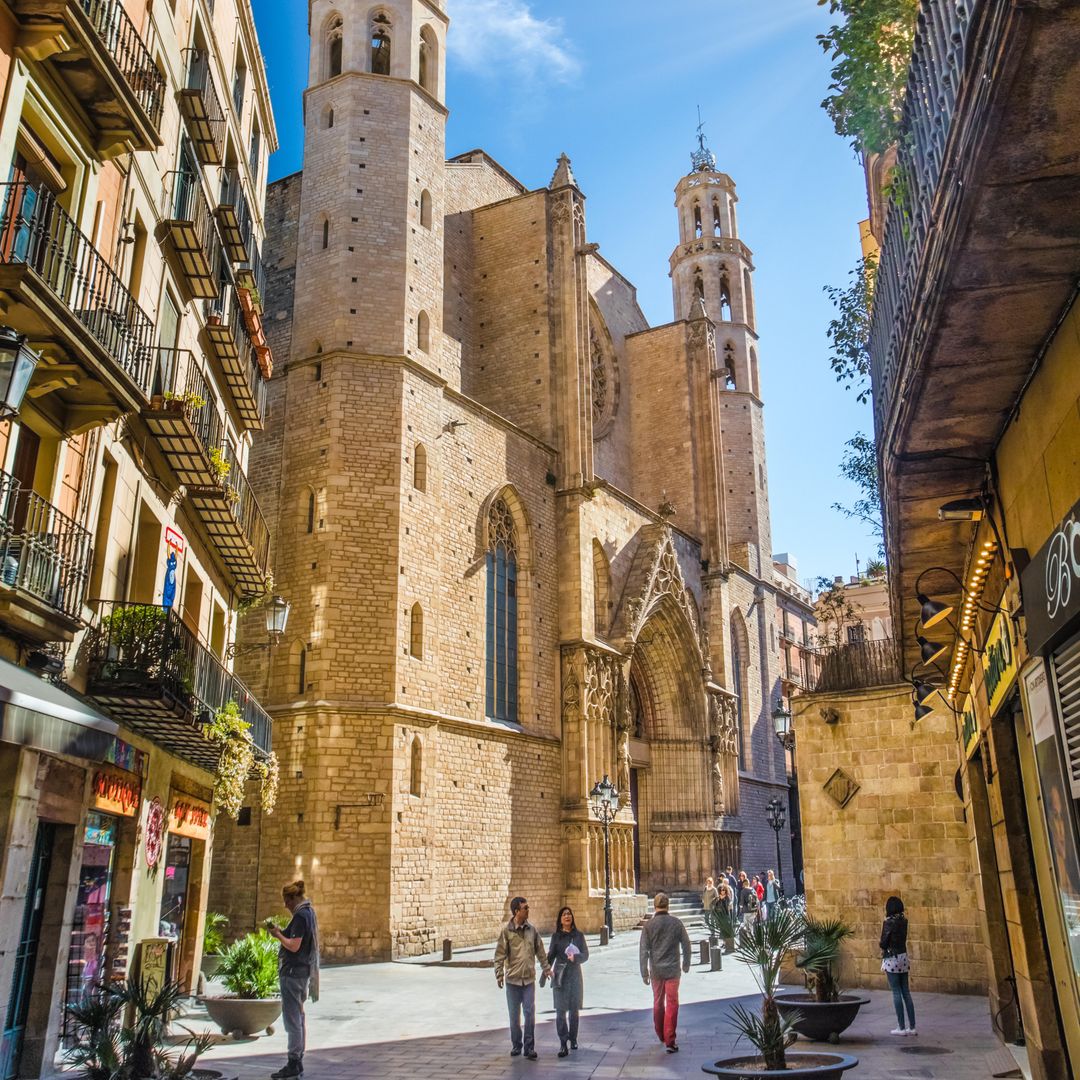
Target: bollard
x: 603, y: 935
x: 704, y: 954
x: 447, y: 949
x: 717, y: 958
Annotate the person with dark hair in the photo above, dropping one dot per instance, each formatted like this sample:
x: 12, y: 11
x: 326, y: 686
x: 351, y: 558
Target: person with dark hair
x: 516, y: 952
x: 298, y: 972
x: 895, y: 963
x: 567, y: 951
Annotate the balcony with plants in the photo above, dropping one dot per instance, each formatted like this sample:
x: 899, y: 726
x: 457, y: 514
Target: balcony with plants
x: 230, y: 340
x: 201, y: 108
x: 150, y: 672
x: 61, y: 292
x: 96, y: 51
x: 44, y: 565
x: 189, y: 233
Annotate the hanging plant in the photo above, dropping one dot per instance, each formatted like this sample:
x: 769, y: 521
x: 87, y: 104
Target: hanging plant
x: 269, y: 778
x: 220, y: 465
x: 232, y: 734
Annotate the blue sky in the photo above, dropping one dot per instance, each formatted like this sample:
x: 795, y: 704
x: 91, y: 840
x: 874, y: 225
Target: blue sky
x: 617, y: 87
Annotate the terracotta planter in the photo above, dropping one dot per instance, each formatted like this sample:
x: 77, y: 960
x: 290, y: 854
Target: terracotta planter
x: 808, y: 1066
x: 243, y: 1016
x: 821, y: 1021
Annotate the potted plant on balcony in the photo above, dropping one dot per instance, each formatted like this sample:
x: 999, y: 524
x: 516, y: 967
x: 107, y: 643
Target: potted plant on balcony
x: 762, y: 948
x: 220, y: 465
x: 248, y: 970
x: 822, y: 1012
x: 132, y: 642
x: 185, y: 403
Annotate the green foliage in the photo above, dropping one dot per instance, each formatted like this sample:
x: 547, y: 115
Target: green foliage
x: 849, y: 332
x: 720, y: 921
x: 875, y: 568
x: 214, y: 933
x: 871, y: 51
x: 133, y: 634
x: 221, y: 467
x: 108, y: 1050
x: 763, y: 947
x: 190, y: 400
x: 859, y: 465
x: 835, y: 613
x: 249, y: 967
x: 231, y: 732
x: 820, y: 955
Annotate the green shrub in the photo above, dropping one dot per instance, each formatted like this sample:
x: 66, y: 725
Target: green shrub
x: 214, y: 934
x: 249, y: 967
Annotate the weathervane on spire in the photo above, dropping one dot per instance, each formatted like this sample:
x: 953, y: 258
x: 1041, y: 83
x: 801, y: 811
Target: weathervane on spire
x: 702, y: 158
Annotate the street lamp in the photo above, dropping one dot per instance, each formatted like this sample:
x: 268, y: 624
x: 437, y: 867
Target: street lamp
x: 604, y: 798
x: 277, y: 618
x: 17, y: 363
x: 781, y: 719
x: 776, y: 818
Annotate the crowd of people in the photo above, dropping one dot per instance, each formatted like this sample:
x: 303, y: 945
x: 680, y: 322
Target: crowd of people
x: 746, y: 899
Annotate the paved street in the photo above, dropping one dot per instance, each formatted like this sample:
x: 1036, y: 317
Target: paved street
x: 417, y: 1018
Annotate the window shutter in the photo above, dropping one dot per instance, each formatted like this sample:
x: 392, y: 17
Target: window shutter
x: 1067, y: 684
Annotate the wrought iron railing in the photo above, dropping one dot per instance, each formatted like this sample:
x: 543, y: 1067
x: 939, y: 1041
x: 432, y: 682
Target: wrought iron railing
x: 245, y: 510
x: 37, y: 232
x: 911, y: 244
x: 42, y: 551
x: 856, y: 666
x: 200, y: 79
x: 178, y: 378
x: 127, y: 48
x: 232, y: 194
x: 145, y: 647
x: 186, y: 201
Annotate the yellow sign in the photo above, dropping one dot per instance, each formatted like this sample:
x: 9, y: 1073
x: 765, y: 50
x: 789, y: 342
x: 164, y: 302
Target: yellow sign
x: 153, y: 964
x: 189, y: 816
x: 970, y: 724
x: 999, y: 661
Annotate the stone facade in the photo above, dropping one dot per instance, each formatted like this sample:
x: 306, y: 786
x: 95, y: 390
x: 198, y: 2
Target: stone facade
x: 525, y: 535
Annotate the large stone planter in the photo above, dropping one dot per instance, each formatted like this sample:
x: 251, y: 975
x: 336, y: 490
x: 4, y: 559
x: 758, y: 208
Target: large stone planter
x: 800, y: 1067
x: 210, y: 963
x: 243, y: 1016
x: 821, y: 1021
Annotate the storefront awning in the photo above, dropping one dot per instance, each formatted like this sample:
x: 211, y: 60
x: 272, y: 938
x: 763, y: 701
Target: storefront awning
x: 39, y: 715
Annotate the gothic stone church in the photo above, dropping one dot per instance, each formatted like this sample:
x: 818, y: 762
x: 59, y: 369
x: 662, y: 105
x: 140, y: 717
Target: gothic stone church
x: 525, y: 534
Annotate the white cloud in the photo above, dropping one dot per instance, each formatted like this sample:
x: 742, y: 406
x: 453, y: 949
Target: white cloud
x: 494, y: 34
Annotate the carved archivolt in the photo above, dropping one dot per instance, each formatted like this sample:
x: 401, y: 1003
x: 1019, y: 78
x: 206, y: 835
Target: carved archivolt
x: 606, y: 696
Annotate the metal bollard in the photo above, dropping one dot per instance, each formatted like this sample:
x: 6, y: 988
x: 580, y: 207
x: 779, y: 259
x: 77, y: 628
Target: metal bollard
x: 603, y: 935
x: 717, y: 958
x: 447, y: 949
x: 703, y: 946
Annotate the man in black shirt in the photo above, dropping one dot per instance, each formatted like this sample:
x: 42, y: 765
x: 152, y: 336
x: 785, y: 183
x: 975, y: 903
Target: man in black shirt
x: 298, y: 972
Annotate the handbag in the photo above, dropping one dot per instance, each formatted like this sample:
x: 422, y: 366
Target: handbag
x: 896, y: 965
x: 557, y: 976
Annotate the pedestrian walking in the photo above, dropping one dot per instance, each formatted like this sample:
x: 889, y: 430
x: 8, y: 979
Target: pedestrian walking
x: 748, y: 902
x: 772, y: 894
x: 663, y: 937
x: 732, y: 881
x: 896, y: 965
x: 709, y: 894
x: 516, y: 952
x: 298, y: 972
x: 758, y: 888
x: 567, y: 951
x: 724, y: 897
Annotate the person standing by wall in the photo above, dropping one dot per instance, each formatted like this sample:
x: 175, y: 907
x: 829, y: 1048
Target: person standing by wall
x: 896, y: 965
x: 298, y: 972
x: 567, y: 951
x: 772, y: 893
x: 663, y: 937
x: 516, y: 952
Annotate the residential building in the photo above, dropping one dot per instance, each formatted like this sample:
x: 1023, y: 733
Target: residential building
x: 134, y: 141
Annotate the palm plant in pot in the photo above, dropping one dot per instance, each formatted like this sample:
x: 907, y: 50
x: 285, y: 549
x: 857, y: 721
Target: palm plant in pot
x: 721, y: 923
x: 823, y: 1012
x: 763, y: 948
x: 248, y: 970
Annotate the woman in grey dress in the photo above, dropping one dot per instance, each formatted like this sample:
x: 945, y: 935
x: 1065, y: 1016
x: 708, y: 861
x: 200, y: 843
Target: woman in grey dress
x: 567, y: 951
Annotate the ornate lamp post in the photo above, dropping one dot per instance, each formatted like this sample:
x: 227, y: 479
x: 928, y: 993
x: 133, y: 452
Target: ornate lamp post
x: 776, y: 818
x: 781, y: 718
x: 604, y: 798
x: 277, y: 618
x: 17, y: 363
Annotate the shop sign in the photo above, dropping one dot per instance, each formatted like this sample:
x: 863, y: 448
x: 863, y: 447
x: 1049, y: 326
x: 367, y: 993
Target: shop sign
x: 970, y: 724
x: 189, y: 817
x: 124, y: 756
x: 115, y: 792
x: 999, y: 661
x: 1051, y: 586
x: 99, y: 831
x: 155, y: 832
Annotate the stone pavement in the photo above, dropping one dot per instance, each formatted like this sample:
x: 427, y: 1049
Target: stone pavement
x: 417, y: 1018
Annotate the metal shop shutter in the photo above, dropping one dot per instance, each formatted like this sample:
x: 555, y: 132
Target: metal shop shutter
x: 1067, y: 684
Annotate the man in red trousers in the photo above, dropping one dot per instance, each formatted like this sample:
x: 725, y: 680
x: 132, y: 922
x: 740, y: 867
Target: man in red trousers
x: 659, y: 954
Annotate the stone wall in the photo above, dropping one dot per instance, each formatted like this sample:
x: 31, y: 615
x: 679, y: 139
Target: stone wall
x: 902, y: 833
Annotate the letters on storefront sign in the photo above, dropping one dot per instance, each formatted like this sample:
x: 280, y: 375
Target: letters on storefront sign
x: 971, y: 726
x: 116, y: 792
x: 1051, y: 586
x: 189, y: 817
x: 999, y: 661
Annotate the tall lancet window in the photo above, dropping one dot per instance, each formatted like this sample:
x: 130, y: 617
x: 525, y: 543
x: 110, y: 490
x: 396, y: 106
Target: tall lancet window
x: 502, y: 687
x: 380, y: 45
x: 716, y: 226
x: 333, y: 48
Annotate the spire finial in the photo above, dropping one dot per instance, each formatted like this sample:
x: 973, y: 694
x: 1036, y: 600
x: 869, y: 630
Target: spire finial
x: 563, y: 173
x: 702, y: 158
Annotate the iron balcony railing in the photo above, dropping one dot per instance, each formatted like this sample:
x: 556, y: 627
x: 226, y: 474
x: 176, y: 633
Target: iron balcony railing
x: 226, y: 307
x: 232, y: 196
x: 42, y: 551
x: 187, y: 202
x: 126, y: 47
x: 178, y: 378
x: 144, y: 648
x: 245, y: 510
x: 205, y: 115
x: 856, y: 666
x: 37, y: 232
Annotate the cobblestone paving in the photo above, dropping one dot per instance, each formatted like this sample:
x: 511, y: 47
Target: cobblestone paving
x: 420, y: 1019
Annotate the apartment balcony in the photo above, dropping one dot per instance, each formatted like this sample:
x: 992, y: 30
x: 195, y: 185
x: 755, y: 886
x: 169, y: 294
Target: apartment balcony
x: 978, y: 261
x: 44, y: 566
x: 182, y: 419
x: 201, y: 108
x: 59, y: 290
x: 96, y: 51
x: 230, y: 341
x: 189, y: 235
x: 858, y: 665
x: 237, y: 530
x: 234, y: 220
x: 147, y: 670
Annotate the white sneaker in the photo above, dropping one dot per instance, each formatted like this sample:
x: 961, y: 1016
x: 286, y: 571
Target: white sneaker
x: 911, y: 1031
x: 898, y: 1031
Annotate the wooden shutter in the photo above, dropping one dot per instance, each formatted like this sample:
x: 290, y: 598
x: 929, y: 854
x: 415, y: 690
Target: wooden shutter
x: 1067, y: 684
